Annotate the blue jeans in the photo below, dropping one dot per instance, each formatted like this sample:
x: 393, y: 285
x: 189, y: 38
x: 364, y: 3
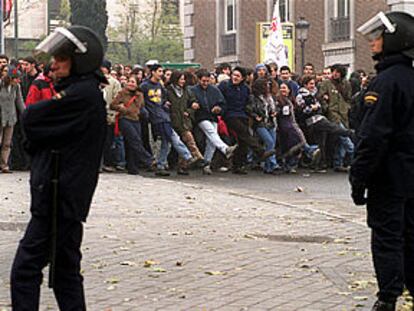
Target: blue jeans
x: 177, y: 144
x: 119, y: 149
x: 345, y: 146
x: 309, y: 150
x: 268, y: 136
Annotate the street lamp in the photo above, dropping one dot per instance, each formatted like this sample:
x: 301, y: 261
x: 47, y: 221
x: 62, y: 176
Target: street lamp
x: 302, y: 28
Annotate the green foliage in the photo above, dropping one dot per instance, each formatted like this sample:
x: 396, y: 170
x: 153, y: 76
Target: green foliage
x: 153, y: 34
x: 91, y: 13
x: 64, y: 12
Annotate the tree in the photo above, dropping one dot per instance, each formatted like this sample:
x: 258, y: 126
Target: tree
x: 91, y: 13
x: 148, y: 31
x: 64, y: 13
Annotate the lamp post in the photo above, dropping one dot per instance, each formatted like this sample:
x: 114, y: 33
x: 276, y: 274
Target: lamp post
x: 302, y: 28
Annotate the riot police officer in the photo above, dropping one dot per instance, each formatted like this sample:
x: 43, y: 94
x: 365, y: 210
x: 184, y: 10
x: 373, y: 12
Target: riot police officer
x: 65, y: 140
x: 382, y: 173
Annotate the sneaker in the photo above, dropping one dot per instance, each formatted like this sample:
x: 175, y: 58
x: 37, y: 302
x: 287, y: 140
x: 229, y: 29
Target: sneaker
x: 223, y: 169
x: 108, y: 169
x: 230, y: 151
x: 291, y: 171
x: 120, y: 168
x: 132, y: 173
x: 341, y: 169
x: 162, y: 172
x: 383, y: 306
x: 207, y: 170
x: 319, y: 170
x: 193, y: 162
x: 267, y: 154
x: 316, y: 157
x: 182, y: 171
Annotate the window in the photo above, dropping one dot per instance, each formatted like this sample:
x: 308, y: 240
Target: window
x: 340, y: 22
x: 284, y: 9
x: 341, y: 8
x: 230, y: 16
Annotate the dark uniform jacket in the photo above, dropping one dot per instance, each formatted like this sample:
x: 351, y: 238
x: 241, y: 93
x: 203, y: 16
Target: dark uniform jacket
x: 385, y: 152
x: 74, y: 123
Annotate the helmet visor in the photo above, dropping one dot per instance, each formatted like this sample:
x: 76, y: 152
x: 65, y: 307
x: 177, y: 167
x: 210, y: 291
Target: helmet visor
x: 61, y: 41
x: 376, y: 26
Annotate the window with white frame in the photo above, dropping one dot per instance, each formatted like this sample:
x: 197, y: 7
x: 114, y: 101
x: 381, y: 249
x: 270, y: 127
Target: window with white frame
x: 341, y: 8
x: 230, y: 16
x: 284, y: 9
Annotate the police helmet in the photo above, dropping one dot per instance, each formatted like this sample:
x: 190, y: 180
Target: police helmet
x: 397, y: 29
x: 80, y: 43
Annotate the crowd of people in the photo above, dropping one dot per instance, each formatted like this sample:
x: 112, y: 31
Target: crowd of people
x: 263, y: 118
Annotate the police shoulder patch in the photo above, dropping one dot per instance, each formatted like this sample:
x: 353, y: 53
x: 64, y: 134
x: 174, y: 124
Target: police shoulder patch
x: 371, y: 98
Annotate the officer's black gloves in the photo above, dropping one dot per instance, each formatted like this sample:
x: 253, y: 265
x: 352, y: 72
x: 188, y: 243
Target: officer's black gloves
x: 358, y: 192
x: 358, y: 195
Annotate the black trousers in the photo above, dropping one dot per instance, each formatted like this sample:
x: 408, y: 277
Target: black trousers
x: 109, y: 158
x: 391, y: 219
x: 136, y: 153
x: 245, y: 140
x: 325, y: 130
x: 33, y: 255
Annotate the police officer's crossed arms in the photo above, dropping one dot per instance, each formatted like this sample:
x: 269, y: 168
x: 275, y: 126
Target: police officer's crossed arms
x: 382, y: 172
x: 65, y: 140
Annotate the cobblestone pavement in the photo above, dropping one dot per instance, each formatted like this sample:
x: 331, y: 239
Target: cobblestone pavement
x: 176, y: 244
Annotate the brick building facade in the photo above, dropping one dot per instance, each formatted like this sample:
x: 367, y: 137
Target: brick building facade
x: 218, y: 31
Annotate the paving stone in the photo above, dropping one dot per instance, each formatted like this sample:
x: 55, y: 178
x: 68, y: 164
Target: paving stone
x: 191, y: 230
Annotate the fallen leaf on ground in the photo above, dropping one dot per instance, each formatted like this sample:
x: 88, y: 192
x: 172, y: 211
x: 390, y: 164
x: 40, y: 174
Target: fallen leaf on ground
x: 149, y: 263
x: 128, y: 263
x: 341, y: 241
x: 215, y: 273
x: 361, y: 284
x: 344, y: 293
x: 112, y: 281
x: 250, y: 236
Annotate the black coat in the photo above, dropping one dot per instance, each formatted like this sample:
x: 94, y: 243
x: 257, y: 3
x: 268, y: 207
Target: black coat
x: 74, y: 123
x: 385, y: 152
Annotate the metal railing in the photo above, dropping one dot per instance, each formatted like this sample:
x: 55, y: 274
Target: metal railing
x: 228, y: 44
x: 340, y: 29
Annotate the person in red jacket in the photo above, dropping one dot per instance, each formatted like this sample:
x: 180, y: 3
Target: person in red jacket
x: 41, y: 88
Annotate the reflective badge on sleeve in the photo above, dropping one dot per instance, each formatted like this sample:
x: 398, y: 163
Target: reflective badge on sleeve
x: 371, y: 98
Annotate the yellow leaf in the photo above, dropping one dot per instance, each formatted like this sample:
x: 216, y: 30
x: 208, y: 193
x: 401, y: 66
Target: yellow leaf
x: 149, y: 263
x: 112, y: 281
